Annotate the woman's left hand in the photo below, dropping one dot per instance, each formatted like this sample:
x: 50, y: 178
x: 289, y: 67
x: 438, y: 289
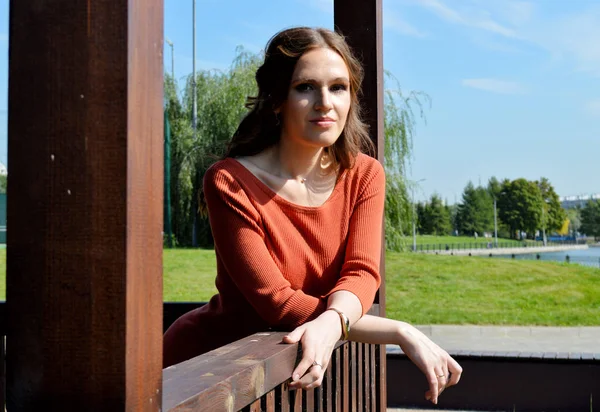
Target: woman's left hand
x: 440, y: 369
x: 318, y: 338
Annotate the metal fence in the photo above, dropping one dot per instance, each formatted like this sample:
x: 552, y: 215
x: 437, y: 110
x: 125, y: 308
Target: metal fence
x: 449, y: 247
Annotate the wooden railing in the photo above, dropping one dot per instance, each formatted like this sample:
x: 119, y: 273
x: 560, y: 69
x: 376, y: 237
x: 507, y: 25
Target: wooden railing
x: 253, y: 373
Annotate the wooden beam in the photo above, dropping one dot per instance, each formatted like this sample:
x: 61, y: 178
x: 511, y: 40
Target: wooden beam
x: 84, y: 254
x: 361, y: 22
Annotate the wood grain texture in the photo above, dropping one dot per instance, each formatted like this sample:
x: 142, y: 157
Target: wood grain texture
x: 232, y: 376
x: 84, y: 255
x: 361, y: 22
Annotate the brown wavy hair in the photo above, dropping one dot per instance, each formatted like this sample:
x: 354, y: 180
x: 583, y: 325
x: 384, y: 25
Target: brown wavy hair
x: 261, y: 127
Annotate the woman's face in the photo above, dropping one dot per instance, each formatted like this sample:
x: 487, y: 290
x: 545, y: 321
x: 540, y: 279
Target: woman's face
x: 318, y: 100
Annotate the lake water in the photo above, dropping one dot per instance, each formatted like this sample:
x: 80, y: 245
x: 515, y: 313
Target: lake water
x: 587, y: 257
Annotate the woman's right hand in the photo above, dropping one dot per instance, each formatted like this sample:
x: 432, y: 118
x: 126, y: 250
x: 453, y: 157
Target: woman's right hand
x: 318, y: 338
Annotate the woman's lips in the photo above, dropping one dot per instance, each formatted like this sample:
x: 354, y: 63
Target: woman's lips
x: 323, y: 122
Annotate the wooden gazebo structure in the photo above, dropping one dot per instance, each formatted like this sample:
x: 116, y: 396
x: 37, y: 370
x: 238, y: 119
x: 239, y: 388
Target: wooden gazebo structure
x: 84, y: 310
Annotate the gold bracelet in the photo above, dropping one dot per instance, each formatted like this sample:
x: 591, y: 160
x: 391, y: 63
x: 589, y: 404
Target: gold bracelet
x: 345, y: 322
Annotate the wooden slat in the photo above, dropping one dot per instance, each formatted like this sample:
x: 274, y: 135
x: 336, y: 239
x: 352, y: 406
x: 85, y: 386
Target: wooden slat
x: 270, y: 403
x: 367, y: 376
x: 84, y: 254
x: 310, y: 400
x: 319, y: 398
x: 346, y: 377
x: 255, y: 406
x: 353, y: 376
x: 360, y: 371
x: 298, y: 395
x: 329, y: 393
x: 284, y: 405
x: 338, y: 380
x: 374, y: 391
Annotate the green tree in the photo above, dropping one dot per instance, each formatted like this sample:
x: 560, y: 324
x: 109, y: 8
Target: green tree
x: 399, y: 126
x: 221, y: 97
x: 520, y: 206
x: 574, y: 216
x: 554, y: 215
x: 590, y: 219
x: 475, y: 213
x: 434, y: 217
x: 3, y: 182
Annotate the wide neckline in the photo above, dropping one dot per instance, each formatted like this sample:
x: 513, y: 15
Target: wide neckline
x: 282, y: 200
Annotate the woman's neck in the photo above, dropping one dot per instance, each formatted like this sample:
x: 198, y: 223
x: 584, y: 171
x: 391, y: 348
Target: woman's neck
x: 297, y: 162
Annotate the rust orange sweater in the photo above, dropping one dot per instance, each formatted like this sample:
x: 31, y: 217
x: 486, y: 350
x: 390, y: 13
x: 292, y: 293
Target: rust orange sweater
x: 277, y: 262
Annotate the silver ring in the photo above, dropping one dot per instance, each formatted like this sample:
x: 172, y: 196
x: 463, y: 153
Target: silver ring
x: 315, y: 363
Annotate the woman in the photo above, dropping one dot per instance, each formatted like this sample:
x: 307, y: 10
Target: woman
x: 296, y: 210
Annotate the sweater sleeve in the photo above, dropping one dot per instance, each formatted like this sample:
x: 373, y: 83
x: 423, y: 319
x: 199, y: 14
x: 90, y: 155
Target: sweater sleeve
x: 240, y: 241
x: 360, y: 272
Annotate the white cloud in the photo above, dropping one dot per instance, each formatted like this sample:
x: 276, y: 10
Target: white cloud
x: 574, y: 37
x: 593, y: 107
x: 471, y: 17
x: 394, y: 23
x: 495, y: 86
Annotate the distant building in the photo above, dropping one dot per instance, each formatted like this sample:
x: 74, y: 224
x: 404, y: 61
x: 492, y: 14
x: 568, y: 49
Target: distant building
x: 3, y: 169
x: 571, y: 202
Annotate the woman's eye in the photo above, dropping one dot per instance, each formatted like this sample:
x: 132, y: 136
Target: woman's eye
x: 339, y: 88
x: 304, y: 87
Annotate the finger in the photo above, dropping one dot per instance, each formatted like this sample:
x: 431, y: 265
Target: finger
x: 312, y: 375
x: 295, y: 335
x: 317, y: 374
x: 303, y: 367
x: 456, y: 370
x: 432, y: 380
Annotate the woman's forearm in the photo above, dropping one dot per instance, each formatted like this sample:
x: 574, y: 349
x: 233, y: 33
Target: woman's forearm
x: 377, y: 330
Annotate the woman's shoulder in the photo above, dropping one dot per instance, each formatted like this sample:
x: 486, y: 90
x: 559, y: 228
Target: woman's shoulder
x: 366, y: 169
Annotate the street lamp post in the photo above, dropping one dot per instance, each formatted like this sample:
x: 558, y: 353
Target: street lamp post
x: 495, y: 222
x: 414, y: 224
x: 170, y: 43
x: 195, y: 104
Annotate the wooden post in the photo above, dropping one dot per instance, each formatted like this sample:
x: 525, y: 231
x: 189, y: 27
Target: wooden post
x: 84, y: 255
x: 361, y: 22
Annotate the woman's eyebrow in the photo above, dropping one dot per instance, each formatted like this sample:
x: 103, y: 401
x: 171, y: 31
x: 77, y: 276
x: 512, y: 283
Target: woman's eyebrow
x: 311, y: 80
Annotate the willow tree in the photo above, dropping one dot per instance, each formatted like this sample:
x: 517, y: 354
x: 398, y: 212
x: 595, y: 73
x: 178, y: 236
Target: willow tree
x: 221, y: 98
x: 400, y: 112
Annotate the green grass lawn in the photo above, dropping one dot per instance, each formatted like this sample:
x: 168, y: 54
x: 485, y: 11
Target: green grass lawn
x: 430, y: 289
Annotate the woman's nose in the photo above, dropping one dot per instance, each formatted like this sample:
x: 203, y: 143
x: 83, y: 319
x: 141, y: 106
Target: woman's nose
x: 323, y: 102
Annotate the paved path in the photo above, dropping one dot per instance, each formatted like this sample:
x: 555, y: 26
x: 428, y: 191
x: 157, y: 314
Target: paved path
x: 513, y: 338
x: 505, y: 251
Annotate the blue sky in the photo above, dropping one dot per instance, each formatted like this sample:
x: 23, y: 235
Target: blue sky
x: 515, y: 85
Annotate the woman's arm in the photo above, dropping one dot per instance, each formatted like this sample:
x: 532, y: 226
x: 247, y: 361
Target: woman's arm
x: 355, y: 290
x: 440, y: 369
